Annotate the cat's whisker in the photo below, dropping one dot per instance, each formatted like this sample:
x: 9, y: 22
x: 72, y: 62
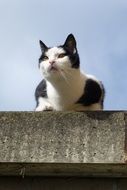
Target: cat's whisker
x: 64, y: 77
x: 67, y: 73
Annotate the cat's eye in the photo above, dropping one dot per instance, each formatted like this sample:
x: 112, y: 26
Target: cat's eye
x: 61, y: 55
x: 45, y: 57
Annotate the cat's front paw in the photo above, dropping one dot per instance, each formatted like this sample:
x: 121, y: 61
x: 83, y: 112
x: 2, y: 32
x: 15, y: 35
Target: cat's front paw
x: 46, y: 107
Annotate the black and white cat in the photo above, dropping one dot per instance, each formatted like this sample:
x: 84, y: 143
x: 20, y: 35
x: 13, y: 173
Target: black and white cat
x: 64, y: 86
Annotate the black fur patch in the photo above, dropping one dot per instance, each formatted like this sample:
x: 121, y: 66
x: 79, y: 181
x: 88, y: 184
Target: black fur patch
x: 41, y: 90
x: 103, y: 95
x: 42, y: 56
x: 92, y: 93
x: 74, y: 57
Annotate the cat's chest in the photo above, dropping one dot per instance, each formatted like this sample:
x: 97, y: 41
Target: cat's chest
x: 65, y: 95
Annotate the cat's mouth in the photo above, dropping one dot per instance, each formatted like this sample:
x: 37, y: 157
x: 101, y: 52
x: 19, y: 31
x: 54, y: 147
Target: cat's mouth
x: 53, y: 68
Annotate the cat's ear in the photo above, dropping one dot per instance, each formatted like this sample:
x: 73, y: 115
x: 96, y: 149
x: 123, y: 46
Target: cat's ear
x: 70, y: 43
x: 43, y: 46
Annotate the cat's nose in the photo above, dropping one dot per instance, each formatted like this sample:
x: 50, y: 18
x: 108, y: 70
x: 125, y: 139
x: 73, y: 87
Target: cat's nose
x: 52, y: 62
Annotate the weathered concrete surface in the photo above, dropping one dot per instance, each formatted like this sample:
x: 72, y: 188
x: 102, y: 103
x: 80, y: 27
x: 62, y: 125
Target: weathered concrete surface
x: 60, y: 138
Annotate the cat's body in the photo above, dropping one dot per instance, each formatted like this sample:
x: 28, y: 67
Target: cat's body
x: 64, y: 86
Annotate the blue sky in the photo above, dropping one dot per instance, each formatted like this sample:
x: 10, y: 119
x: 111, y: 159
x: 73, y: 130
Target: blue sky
x: 100, y: 27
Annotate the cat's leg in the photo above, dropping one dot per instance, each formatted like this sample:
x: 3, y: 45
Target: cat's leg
x: 92, y: 107
x: 43, y: 105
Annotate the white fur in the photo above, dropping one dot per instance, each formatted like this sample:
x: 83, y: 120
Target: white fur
x: 63, y: 95
x: 64, y: 86
x: 52, y: 54
x: 43, y: 104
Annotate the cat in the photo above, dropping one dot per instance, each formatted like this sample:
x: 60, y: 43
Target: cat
x: 65, y: 87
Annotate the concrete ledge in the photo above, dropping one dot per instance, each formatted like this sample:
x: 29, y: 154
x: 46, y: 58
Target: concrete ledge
x: 63, y: 143
x: 63, y: 169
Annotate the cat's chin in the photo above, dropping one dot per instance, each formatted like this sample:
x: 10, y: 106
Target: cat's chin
x: 52, y: 75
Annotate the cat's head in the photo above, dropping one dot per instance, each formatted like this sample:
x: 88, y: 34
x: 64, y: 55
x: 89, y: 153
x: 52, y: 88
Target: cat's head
x: 56, y: 62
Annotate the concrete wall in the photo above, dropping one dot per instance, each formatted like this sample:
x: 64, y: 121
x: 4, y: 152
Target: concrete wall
x: 72, y: 144
x: 55, y: 183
